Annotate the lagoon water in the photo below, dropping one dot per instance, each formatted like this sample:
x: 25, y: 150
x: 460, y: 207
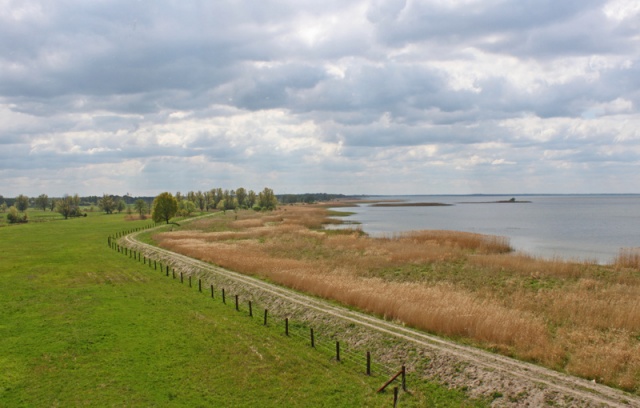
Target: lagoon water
x: 581, y: 227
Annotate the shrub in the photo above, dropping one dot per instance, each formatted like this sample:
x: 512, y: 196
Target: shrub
x: 14, y: 217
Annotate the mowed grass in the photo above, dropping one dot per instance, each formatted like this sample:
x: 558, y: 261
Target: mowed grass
x: 81, y: 325
x: 577, y: 317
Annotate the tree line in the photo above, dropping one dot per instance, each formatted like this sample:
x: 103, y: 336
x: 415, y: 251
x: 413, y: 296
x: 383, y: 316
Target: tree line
x: 76, y: 206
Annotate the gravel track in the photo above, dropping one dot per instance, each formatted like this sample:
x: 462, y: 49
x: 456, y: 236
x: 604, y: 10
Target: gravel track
x: 480, y: 372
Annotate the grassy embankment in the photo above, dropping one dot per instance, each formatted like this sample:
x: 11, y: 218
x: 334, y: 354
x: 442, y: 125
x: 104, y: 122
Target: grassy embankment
x: 81, y: 325
x: 579, y: 318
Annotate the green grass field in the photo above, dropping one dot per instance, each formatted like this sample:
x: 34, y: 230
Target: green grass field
x: 81, y: 325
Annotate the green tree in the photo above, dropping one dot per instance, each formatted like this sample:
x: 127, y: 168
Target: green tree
x: 241, y: 196
x: 52, y: 204
x: 165, y: 207
x: 267, y: 199
x: 22, y: 203
x: 68, y: 206
x: 201, y: 200
x: 107, y: 204
x: 14, y: 216
x: 251, y: 198
x: 219, y: 196
x: 140, y: 206
x: 42, y: 202
x: 3, y: 207
x: 186, y: 207
x: 121, y: 206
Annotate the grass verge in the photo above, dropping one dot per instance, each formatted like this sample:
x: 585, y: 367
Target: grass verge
x: 82, y: 325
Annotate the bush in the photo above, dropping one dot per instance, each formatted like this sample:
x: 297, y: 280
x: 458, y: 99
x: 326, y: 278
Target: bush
x: 14, y: 216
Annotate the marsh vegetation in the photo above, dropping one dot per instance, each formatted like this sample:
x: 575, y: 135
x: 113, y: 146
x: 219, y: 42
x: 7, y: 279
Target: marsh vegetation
x: 577, y: 317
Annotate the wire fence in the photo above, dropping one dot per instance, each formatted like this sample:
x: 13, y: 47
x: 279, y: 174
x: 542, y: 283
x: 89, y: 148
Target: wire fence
x: 330, y: 345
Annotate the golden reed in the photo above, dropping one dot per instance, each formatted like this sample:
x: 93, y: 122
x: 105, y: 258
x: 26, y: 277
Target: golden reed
x: 578, y: 317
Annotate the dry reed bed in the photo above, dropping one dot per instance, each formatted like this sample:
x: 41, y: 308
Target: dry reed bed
x: 579, y: 317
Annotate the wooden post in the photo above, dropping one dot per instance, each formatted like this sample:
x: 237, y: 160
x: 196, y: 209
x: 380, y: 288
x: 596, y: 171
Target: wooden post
x: 250, y: 310
x: 223, y: 298
x: 286, y: 326
x: 168, y: 270
x: 313, y: 343
x: 401, y: 372
x: 199, y: 285
x: 173, y: 274
x: 211, y: 291
x: 395, y: 397
x: 181, y: 277
x: 265, y: 317
x: 155, y: 266
x: 189, y: 280
x: 368, y: 363
x: 337, y: 350
x: 237, y: 307
x: 404, y: 378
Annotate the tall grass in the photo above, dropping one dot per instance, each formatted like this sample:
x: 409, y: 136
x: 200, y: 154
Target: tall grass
x: 579, y: 317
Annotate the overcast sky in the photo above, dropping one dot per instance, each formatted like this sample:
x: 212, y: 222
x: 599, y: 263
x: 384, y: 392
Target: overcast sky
x: 355, y: 97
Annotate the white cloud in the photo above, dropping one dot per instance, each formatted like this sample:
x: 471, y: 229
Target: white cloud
x: 362, y: 97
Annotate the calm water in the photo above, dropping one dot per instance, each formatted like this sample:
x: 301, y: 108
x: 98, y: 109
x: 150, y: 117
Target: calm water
x: 592, y: 227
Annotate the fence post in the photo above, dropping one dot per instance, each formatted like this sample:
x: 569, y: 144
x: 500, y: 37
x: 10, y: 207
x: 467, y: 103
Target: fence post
x: 211, y: 291
x: 250, y: 310
x: 189, y: 280
x: 181, y: 277
x: 337, y: 350
x: 155, y: 266
x: 286, y: 326
x: 404, y: 378
x: 313, y: 343
x: 199, y: 285
x: 395, y: 397
x: 223, y: 298
x: 265, y: 317
x: 237, y: 307
x: 168, y: 270
x: 173, y: 274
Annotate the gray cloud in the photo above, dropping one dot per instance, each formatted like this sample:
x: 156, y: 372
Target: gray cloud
x: 353, y: 97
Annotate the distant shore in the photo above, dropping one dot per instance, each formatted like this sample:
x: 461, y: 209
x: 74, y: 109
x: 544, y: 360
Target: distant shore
x: 512, y: 201
x: 410, y: 205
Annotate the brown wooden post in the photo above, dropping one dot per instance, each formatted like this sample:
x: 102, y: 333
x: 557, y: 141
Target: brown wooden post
x: 368, y: 363
x: 211, y: 291
x: 199, y: 285
x: 265, y: 317
x: 181, y: 277
x: 223, y: 298
x: 395, y: 397
x: 250, y: 310
x: 404, y: 378
x: 237, y: 306
x: 286, y: 326
x: 173, y: 273
x: 189, y: 280
x: 337, y: 350
x: 313, y: 342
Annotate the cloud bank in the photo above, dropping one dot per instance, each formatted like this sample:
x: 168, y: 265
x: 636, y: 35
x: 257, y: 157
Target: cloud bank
x: 374, y: 97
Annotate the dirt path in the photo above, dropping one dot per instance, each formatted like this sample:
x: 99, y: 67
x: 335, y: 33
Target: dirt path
x: 479, y: 372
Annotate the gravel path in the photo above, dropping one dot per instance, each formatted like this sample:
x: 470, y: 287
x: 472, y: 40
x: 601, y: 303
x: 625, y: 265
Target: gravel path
x: 479, y: 372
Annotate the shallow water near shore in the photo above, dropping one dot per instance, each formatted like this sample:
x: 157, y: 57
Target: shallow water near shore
x: 577, y: 227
